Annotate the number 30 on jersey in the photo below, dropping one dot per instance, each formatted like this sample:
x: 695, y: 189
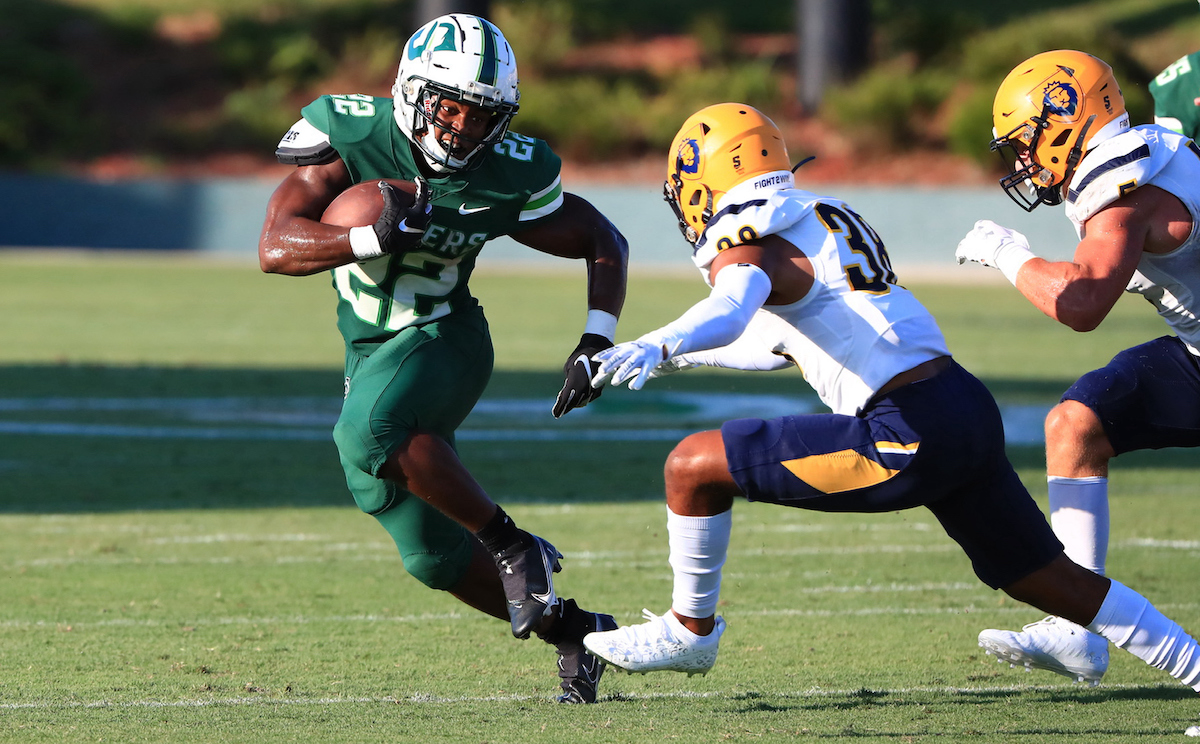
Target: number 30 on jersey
x: 874, y: 274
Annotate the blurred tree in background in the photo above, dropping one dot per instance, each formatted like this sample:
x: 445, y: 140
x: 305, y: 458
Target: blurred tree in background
x: 166, y: 81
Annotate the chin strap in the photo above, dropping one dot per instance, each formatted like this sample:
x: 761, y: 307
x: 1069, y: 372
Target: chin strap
x: 796, y: 167
x: 1076, y: 153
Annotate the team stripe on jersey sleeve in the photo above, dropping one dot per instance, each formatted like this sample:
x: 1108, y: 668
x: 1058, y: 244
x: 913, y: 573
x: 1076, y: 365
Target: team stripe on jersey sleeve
x: 544, y: 202
x: 1137, y: 154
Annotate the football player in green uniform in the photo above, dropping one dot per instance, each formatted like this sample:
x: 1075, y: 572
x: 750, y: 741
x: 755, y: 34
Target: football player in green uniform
x: 418, y: 352
x: 1176, y: 92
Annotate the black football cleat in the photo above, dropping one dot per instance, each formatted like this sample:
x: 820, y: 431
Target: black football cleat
x: 579, y: 672
x: 527, y: 570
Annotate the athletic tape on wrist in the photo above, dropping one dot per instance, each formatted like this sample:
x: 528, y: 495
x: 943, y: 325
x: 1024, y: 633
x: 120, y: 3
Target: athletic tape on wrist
x: 1011, y: 261
x: 601, y: 323
x: 364, y: 243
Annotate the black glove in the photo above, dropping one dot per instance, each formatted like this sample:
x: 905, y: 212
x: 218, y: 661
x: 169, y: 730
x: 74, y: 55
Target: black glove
x: 577, y: 390
x: 399, y: 229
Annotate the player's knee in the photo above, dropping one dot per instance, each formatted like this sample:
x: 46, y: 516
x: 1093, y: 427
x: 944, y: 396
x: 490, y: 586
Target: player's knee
x: 686, y: 461
x: 697, y: 475
x: 433, y: 570
x: 1072, y: 423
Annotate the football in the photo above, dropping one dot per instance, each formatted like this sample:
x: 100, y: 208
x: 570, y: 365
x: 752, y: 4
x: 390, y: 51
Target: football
x: 361, y: 203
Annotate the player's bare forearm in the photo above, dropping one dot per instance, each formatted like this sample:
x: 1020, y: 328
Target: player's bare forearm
x: 1080, y: 293
x: 581, y: 231
x: 607, y: 279
x: 302, y: 247
x: 293, y: 239
x: 1068, y: 292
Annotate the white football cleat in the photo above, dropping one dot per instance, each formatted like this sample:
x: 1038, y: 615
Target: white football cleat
x: 662, y: 644
x: 1053, y: 644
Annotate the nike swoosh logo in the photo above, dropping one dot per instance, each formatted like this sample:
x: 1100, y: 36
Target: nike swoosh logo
x: 547, y: 597
x: 583, y: 359
x: 591, y: 671
x: 462, y: 209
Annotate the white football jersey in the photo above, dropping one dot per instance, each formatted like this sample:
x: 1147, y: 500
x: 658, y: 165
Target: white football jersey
x: 856, y: 328
x: 1149, y: 155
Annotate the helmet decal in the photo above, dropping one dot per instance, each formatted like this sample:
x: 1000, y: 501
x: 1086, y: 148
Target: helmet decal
x: 489, y: 63
x: 1061, y: 99
x: 689, y: 156
x: 417, y: 45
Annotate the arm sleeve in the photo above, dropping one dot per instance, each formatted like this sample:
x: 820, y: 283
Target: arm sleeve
x: 748, y: 353
x: 719, y: 319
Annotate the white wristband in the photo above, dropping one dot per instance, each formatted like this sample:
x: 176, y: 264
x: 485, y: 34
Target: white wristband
x: 1011, y: 259
x: 601, y: 323
x: 364, y: 243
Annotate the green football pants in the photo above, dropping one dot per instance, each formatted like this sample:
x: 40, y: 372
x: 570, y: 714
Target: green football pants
x: 426, y: 378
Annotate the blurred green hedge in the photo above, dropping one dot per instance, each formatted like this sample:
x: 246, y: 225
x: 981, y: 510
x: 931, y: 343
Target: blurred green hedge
x: 172, y: 79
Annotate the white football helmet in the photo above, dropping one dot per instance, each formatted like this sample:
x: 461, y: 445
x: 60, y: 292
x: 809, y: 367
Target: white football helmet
x: 462, y: 58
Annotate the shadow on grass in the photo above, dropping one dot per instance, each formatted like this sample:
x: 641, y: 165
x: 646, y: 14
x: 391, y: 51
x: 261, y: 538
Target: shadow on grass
x: 922, y: 702
x: 61, y: 460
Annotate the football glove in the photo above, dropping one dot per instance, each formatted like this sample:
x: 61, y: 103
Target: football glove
x: 673, y: 365
x: 996, y: 247
x: 399, y: 229
x: 632, y: 361
x: 577, y: 390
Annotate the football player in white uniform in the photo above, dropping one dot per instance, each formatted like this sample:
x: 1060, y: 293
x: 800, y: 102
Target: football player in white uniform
x: 802, y: 279
x: 1133, y: 195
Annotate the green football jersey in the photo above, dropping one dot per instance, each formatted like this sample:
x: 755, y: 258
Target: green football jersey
x: 517, y: 185
x: 1175, y: 91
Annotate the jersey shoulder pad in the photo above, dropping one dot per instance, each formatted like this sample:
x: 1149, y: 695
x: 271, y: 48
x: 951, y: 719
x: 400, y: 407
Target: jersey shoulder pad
x: 348, y: 117
x: 304, y: 144
x: 739, y: 221
x: 528, y: 165
x: 1114, y: 168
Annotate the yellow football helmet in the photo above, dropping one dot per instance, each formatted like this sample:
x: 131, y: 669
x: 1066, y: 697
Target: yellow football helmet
x: 1049, y: 111
x: 717, y: 148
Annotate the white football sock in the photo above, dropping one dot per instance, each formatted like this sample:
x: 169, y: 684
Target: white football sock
x: 1129, y: 620
x: 698, y: 548
x: 1079, y: 516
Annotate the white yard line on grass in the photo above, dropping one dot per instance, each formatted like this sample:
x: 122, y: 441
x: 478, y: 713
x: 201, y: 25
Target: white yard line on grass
x: 423, y: 698
x: 658, y: 417
x: 290, y: 620
x: 596, y: 560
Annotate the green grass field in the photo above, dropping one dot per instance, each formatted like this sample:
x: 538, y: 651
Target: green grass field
x: 181, y: 561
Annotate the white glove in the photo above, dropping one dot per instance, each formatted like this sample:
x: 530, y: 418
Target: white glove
x: 996, y: 247
x: 673, y: 365
x: 632, y: 361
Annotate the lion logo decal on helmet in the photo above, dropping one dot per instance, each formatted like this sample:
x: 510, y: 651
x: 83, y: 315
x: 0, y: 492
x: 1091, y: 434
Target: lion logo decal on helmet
x: 1060, y: 99
x: 689, y: 156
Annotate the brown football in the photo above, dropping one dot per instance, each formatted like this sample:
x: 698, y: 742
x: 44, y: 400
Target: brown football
x: 361, y: 203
